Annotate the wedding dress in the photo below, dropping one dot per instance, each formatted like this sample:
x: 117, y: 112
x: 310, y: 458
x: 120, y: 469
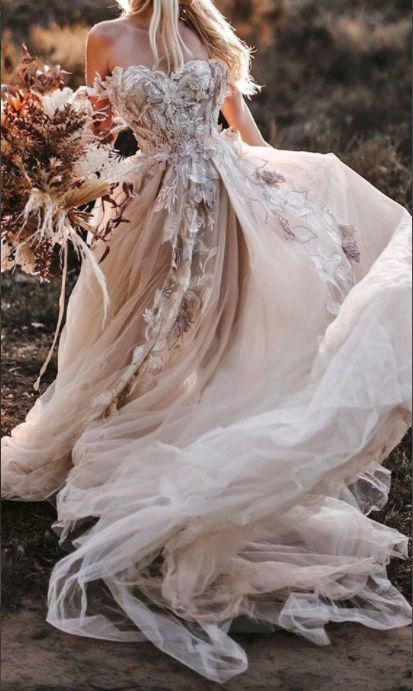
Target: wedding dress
x: 216, y: 444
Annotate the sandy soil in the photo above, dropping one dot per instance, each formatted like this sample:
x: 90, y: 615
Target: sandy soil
x: 36, y: 657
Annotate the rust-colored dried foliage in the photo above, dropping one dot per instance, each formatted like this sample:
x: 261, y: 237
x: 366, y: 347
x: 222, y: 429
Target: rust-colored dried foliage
x: 39, y: 153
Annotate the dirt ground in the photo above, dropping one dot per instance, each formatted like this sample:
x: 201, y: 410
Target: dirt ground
x: 358, y: 659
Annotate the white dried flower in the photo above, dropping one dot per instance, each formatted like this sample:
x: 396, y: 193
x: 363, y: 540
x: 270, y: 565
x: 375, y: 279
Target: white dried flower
x: 81, y: 101
x: 98, y: 162
x: 57, y: 100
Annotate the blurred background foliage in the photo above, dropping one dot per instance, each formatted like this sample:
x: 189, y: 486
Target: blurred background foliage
x: 335, y: 72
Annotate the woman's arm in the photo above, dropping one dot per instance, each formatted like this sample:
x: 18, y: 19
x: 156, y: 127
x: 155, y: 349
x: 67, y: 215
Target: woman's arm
x: 97, y: 62
x: 238, y: 115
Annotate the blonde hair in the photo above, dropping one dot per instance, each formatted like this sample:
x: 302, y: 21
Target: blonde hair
x: 210, y: 25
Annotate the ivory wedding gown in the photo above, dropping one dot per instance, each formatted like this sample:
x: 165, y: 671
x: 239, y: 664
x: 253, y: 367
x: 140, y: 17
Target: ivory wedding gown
x: 216, y: 444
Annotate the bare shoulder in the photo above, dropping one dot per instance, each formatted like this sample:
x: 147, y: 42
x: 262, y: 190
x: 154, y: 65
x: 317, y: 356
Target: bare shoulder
x: 105, y: 33
x: 99, y: 48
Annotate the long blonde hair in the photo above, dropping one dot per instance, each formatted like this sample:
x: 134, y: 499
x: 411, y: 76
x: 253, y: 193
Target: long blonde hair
x: 210, y: 25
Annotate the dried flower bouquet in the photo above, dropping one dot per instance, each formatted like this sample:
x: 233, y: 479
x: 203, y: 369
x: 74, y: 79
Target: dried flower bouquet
x: 53, y: 165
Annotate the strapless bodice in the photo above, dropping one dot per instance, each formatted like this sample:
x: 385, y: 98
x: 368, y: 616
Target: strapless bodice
x: 176, y: 112
x: 175, y: 120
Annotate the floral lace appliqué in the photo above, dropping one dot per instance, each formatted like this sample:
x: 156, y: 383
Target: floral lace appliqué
x: 175, y: 120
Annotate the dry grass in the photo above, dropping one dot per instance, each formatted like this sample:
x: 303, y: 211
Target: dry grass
x: 336, y: 79
x: 379, y: 160
x: 10, y: 56
x: 53, y: 42
x: 361, y: 33
x: 22, y: 15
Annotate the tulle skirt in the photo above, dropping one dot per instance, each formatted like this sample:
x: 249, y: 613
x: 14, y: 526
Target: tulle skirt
x: 216, y: 443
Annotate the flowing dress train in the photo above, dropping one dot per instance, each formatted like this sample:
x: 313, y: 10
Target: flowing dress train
x: 217, y: 443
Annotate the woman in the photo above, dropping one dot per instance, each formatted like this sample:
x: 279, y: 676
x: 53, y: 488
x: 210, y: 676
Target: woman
x: 216, y: 444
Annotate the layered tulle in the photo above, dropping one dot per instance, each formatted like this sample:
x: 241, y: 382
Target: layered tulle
x: 221, y: 461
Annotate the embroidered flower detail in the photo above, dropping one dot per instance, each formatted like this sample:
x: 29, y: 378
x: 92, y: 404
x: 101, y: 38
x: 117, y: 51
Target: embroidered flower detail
x: 270, y: 177
x: 326, y: 265
x: 351, y: 250
x: 198, y: 85
x: 175, y: 120
x: 182, y: 324
x: 349, y: 244
x: 285, y: 225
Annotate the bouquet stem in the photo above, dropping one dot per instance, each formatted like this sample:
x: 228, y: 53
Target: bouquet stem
x: 60, y: 318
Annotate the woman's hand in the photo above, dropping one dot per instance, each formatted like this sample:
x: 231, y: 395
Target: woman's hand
x: 238, y: 115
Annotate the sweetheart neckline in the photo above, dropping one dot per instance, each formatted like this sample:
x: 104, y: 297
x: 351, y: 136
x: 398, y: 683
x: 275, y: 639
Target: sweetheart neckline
x: 170, y: 76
